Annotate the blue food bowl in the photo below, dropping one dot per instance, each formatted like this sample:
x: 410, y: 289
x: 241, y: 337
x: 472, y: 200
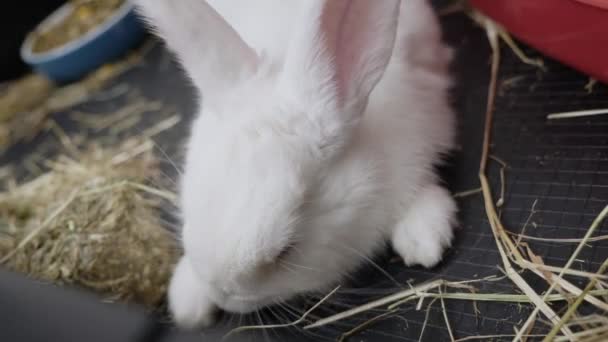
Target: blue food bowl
x: 73, y: 60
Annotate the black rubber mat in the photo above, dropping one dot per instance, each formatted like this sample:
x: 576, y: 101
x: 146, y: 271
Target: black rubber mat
x: 556, y: 182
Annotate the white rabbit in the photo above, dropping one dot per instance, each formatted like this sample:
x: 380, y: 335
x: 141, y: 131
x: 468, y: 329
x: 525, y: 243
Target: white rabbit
x: 320, y: 125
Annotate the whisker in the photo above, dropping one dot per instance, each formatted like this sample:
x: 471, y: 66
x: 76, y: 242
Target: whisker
x: 302, y: 255
x: 289, y: 309
x: 168, y: 170
x: 297, y: 250
x: 300, y: 266
x: 275, y: 331
x: 261, y: 321
x: 296, y: 313
x: 375, y: 265
x: 167, y: 177
x: 288, y: 316
x: 285, y: 267
x: 240, y: 319
x: 166, y: 156
x: 279, y: 319
x: 179, y: 171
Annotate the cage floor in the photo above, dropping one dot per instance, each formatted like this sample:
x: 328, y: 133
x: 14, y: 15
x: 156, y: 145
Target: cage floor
x: 556, y: 183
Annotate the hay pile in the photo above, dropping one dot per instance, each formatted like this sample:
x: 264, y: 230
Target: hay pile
x: 93, y: 218
x: 92, y: 221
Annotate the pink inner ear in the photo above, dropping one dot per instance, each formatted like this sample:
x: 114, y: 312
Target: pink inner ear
x: 346, y: 25
x: 334, y: 19
x: 359, y: 35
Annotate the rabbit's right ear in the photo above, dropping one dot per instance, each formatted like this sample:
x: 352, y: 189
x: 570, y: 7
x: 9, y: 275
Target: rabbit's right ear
x: 210, y: 50
x: 341, y: 53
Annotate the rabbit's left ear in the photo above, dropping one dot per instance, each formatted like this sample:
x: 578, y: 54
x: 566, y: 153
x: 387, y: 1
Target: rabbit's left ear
x: 345, y: 48
x: 211, y: 51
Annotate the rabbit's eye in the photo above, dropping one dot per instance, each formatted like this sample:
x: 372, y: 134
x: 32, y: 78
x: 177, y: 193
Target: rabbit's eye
x: 284, y: 252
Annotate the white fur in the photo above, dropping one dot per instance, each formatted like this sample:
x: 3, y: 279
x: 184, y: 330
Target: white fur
x: 189, y: 302
x: 426, y: 228
x: 320, y: 125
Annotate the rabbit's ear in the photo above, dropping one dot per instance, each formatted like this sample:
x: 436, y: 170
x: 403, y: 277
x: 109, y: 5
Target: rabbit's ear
x: 210, y: 50
x: 344, y: 48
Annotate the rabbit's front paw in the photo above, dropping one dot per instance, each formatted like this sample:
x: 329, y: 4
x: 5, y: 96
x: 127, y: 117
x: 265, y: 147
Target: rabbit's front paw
x: 189, y: 304
x: 426, y: 229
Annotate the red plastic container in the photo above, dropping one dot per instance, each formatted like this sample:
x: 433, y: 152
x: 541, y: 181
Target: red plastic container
x: 574, y: 32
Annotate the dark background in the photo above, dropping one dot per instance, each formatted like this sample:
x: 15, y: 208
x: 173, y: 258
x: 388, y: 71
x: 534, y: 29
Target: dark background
x: 562, y: 165
x: 17, y: 18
